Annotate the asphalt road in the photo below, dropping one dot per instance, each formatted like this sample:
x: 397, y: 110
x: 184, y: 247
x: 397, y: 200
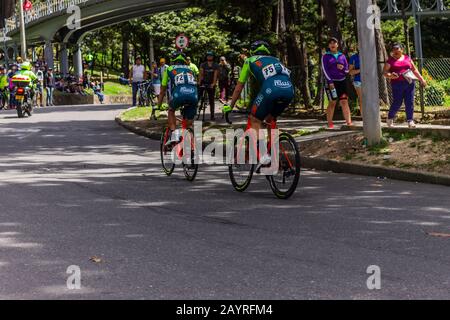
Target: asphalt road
x: 74, y: 186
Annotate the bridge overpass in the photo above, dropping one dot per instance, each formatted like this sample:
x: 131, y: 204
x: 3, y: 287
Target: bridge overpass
x: 53, y: 22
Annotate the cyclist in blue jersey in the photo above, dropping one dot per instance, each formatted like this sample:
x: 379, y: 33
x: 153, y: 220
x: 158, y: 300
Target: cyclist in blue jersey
x: 179, y: 80
x: 270, y: 80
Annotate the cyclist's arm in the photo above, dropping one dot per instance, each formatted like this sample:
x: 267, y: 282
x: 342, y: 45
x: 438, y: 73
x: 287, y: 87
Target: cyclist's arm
x: 237, y: 93
x: 243, y: 78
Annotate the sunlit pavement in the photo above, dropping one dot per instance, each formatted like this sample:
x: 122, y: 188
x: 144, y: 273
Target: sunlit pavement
x: 74, y: 185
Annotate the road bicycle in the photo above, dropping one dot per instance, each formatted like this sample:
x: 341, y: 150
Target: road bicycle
x: 176, y: 150
x: 204, y: 103
x: 146, y: 94
x: 285, y: 181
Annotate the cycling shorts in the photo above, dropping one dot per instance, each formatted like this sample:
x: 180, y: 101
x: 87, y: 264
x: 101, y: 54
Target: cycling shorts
x: 185, y: 96
x: 275, y: 96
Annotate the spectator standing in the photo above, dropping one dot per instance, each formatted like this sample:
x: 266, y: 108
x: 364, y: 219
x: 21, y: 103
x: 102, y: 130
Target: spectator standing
x: 402, y: 72
x: 335, y: 67
x: 224, y: 80
x: 138, y: 75
x: 40, y: 87
x: 192, y: 66
x: 155, y: 78
x: 355, y: 72
x: 209, y: 74
x: 4, y: 83
x: 50, y: 84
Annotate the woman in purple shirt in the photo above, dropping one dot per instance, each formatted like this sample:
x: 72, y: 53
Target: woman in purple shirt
x: 335, y: 68
x: 397, y: 68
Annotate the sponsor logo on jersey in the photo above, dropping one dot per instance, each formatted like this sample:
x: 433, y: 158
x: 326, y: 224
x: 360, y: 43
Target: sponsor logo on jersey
x: 282, y: 84
x: 185, y: 90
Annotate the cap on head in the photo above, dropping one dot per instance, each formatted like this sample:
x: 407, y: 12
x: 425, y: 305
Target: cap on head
x: 260, y: 47
x: 210, y: 54
x: 333, y: 40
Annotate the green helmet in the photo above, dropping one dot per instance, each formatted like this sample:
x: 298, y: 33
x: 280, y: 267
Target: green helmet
x: 26, y: 66
x: 178, y: 56
x: 260, y: 47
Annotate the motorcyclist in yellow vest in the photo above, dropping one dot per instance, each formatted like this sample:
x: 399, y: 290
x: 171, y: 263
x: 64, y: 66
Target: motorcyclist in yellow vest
x: 26, y: 72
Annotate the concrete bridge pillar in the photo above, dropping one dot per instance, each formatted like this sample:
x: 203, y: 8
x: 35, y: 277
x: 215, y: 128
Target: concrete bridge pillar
x: 64, y: 60
x: 78, y: 60
x: 49, y: 54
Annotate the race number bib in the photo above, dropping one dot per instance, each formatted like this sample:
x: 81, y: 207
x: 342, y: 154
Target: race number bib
x: 179, y: 79
x: 269, y: 71
x: 285, y: 70
x: 191, y: 79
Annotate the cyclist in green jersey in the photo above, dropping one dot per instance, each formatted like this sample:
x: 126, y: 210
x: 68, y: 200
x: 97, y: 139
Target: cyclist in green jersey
x: 179, y: 80
x: 271, y: 79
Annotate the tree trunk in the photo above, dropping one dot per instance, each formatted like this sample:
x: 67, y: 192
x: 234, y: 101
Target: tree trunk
x: 125, y: 52
x: 405, y: 28
x: 382, y: 57
x: 319, y: 84
x: 329, y: 10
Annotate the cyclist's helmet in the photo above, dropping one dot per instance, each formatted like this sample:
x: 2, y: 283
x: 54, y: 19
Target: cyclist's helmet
x: 210, y: 54
x: 178, y: 56
x: 26, y: 66
x: 260, y: 47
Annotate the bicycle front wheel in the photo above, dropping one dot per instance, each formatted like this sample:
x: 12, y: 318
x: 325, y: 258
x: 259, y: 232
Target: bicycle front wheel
x: 167, y: 160
x: 284, y: 183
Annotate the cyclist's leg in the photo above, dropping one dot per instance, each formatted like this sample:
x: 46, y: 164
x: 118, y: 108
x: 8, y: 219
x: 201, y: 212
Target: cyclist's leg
x: 172, y: 119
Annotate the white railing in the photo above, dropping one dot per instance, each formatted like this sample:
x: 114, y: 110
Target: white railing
x: 39, y: 11
x: 393, y: 6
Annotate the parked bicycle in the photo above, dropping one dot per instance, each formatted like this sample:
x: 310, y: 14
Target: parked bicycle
x: 146, y: 94
x: 204, y: 103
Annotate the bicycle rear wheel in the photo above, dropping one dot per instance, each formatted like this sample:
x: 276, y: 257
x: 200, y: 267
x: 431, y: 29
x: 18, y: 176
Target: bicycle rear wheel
x: 284, y: 183
x: 190, y: 163
x: 242, y: 170
x: 167, y: 161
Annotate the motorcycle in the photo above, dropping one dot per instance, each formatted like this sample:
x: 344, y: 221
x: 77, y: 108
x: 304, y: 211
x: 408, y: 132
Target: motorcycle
x: 23, y: 95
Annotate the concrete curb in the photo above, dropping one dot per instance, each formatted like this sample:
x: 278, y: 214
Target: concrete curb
x: 330, y: 165
x: 374, y: 171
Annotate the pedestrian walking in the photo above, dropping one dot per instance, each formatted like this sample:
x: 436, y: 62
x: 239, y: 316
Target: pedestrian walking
x: 402, y: 72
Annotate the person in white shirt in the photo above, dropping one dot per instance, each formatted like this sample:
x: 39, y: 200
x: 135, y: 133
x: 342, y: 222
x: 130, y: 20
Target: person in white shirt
x: 138, y: 75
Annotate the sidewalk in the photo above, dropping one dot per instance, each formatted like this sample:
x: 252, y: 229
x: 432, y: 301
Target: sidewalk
x: 424, y: 129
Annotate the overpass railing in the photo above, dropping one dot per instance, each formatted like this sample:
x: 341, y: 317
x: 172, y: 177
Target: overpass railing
x: 39, y: 11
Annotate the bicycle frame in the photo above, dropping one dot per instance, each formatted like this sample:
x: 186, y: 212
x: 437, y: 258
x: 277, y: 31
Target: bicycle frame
x: 270, y: 125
